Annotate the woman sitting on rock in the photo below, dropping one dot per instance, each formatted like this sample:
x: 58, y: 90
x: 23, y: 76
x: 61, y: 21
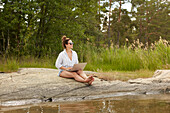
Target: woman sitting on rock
x: 67, y: 59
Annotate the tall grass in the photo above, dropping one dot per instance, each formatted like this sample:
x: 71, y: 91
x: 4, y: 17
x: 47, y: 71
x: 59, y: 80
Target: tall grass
x: 13, y: 64
x: 43, y: 62
x: 134, y: 57
x: 8, y: 65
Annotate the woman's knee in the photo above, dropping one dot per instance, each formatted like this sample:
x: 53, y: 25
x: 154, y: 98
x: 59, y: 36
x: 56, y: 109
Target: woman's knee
x: 80, y: 71
x: 65, y: 74
x: 75, y: 75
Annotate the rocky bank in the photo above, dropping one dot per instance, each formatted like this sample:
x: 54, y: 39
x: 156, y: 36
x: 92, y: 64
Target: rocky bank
x: 35, y: 85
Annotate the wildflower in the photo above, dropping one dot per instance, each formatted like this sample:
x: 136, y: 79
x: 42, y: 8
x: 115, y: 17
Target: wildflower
x: 127, y: 40
x: 141, y: 44
x: 152, y: 46
x: 145, y: 48
x: 165, y: 42
x: 155, y: 43
x: 160, y: 40
x: 130, y: 47
x: 160, y: 37
x: 133, y: 45
x: 137, y: 41
x: 146, y: 43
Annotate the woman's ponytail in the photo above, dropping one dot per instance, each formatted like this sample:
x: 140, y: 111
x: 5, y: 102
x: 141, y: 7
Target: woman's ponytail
x: 64, y: 41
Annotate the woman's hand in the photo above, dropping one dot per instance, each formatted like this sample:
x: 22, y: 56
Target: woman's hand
x: 68, y: 68
x: 64, y: 68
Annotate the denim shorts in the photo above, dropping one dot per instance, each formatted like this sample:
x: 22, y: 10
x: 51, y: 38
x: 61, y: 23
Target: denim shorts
x: 60, y: 72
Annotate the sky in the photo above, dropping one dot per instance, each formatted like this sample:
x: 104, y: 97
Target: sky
x: 127, y: 6
x: 116, y: 4
x: 124, y: 6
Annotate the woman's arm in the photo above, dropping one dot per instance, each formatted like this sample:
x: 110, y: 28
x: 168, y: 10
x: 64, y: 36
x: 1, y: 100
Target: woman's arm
x: 77, y: 61
x: 59, y: 61
x: 64, y: 68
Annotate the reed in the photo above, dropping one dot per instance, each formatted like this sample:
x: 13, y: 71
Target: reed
x: 134, y: 57
x: 43, y: 62
x: 131, y: 58
x: 13, y: 64
x: 8, y: 65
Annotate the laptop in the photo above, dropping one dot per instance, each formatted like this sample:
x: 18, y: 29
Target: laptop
x: 78, y: 66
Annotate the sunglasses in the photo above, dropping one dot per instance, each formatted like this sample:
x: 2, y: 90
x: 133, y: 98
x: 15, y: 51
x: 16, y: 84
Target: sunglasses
x: 71, y: 43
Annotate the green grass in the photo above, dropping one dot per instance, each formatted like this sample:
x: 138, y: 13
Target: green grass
x: 13, y: 64
x: 101, y: 59
x: 37, y: 62
x: 126, y: 59
x: 8, y: 65
x: 124, y: 75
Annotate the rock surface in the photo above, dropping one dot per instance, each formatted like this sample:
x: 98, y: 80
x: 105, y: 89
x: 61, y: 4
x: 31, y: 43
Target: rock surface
x: 35, y: 85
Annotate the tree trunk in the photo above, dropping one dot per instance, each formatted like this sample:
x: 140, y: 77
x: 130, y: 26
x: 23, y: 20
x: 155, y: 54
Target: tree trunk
x: 98, y: 40
x: 99, y: 10
x: 118, y: 38
x: 39, y: 35
x: 18, y: 31
x: 44, y: 29
x: 3, y: 41
x: 120, y: 11
x: 118, y: 33
x: 109, y: 25
x: 8, y: 45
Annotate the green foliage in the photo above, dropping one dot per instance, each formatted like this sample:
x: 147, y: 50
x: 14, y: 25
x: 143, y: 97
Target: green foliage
x: 126, y: 59
x: 31, y: 30
x: 43, y: 62
x: 36, y: 27
x: 151, y: 20
x: 114, y: 59
x: 9, y: 65
x: 101, y: 59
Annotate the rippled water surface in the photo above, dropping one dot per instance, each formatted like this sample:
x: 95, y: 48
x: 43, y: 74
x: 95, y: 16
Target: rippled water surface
x: 123, y: 104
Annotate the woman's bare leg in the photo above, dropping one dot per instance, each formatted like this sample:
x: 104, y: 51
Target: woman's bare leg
x: 66, y: 74
x: 91, y: 81
x: 83, y: 75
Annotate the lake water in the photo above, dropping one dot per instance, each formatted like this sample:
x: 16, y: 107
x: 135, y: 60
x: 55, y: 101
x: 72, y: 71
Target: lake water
x: 122, y: 104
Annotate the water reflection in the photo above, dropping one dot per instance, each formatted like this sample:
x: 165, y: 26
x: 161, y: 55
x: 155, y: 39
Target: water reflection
x: 127, y: 104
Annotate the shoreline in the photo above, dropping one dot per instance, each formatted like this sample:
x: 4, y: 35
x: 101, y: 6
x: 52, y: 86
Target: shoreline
x: 37, y: 85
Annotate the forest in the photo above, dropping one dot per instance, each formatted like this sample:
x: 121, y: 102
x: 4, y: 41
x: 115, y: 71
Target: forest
x: 105, y: 35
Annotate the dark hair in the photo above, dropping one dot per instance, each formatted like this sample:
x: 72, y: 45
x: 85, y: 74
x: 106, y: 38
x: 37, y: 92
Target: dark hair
x: 65, y: 41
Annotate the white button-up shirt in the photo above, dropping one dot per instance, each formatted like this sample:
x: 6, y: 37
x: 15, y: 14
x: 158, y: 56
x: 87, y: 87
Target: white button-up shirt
x: 65, y: 61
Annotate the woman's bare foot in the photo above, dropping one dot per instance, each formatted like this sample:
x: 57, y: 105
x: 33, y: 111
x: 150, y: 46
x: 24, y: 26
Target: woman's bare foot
x: 90, y: 82
x: 88, y: 79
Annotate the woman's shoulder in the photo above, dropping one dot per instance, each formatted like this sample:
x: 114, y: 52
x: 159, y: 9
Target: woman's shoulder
x: 61, y: 53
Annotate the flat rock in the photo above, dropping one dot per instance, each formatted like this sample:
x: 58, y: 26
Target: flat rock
x: 160, y: 76
x: 35, y: 85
